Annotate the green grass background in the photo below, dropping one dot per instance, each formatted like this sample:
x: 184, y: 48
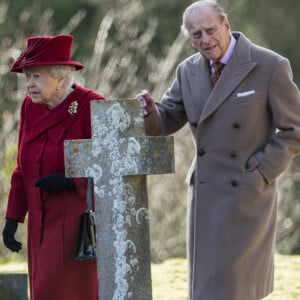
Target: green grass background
x: 169, y: 279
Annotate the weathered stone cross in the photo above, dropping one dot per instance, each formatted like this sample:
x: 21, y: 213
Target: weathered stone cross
x: 118, y: 157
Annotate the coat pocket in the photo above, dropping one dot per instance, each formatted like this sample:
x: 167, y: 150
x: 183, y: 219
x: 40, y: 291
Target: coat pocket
x: 252, y: 164
x: 246, y: 96
x: 252, y: 168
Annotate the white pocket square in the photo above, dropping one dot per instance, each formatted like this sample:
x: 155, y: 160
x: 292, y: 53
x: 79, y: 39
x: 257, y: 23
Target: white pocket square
x: 244, y: 94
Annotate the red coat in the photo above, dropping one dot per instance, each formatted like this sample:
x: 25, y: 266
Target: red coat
x: 52, y: 218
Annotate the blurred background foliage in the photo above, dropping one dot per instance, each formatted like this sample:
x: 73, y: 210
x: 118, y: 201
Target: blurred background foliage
x: 127, y: 46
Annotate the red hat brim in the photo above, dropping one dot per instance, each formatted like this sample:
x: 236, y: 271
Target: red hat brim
x: 19, y: 68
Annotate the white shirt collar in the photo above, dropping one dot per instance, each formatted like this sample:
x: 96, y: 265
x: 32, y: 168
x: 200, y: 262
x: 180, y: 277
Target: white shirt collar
x: 228, y: 52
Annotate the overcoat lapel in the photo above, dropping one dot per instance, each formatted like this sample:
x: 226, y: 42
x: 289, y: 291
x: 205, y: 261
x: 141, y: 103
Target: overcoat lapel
x: 237, y: 68
x: 200, y: 82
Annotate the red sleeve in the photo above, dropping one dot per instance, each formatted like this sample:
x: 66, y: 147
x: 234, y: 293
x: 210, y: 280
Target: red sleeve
x: 17, y: 201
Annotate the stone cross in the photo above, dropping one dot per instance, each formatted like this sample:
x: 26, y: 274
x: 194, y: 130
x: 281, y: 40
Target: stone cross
x: 118, y: 157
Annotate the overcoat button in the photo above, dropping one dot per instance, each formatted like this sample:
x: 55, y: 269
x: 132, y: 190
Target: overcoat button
x: 234, y: 183
x: 237, y: 125
x: 201, y: 152
x: 194, y: 124
x: 233, y: 153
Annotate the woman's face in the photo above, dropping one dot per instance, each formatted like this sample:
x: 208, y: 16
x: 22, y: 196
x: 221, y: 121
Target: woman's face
x: 42, y: 87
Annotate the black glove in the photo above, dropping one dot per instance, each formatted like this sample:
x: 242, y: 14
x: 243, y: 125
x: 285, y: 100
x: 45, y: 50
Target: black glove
x: 8, y: 233
x: 55, y: 182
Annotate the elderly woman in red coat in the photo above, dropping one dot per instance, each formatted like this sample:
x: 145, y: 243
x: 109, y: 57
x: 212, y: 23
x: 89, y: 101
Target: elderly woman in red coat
x: 54, y: 110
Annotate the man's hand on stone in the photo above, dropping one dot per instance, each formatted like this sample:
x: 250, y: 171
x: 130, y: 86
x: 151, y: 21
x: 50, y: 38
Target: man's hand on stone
x: 149, y: 103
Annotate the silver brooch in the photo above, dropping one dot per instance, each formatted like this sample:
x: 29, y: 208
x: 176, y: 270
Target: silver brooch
x: 73, y: 108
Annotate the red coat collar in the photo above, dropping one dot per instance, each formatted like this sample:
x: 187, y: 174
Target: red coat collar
x: 39, y: 119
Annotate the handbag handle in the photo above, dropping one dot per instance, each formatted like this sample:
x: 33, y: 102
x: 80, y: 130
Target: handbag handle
x: 89, y: 193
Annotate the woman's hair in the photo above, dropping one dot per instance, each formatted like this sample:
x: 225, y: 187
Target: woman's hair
x: 194, y: 9
x: 63, y: 71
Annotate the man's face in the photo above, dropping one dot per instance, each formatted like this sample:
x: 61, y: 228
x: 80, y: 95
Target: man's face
x: 209, y: 34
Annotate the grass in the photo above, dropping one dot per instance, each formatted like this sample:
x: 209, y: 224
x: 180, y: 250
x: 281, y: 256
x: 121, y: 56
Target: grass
x: 169, y: 279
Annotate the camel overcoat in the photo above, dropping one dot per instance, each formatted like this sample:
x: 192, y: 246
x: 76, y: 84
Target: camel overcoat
x: 52, y: 218
x: 245, y: 130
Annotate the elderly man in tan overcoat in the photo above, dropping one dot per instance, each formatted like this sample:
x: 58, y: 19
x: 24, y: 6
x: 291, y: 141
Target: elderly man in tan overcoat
x: 246, y: 129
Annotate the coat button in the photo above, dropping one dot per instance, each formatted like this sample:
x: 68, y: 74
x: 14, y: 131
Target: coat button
x: 234, y: 183
x: 194, y: 124
x: 201, y: 152
x: 233, y: 153
x: 236, y: 125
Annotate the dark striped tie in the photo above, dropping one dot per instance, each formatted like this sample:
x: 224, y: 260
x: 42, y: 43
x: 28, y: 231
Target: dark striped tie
x: 218, y: 66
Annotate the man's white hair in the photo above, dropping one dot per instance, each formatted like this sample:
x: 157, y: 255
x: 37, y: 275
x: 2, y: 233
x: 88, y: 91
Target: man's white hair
x: 195, y: 8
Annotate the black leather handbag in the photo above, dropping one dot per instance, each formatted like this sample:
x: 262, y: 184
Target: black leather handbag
x: 86, y: 239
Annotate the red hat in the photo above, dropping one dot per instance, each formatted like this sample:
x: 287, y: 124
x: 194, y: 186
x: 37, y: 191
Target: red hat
x: 45, y: 51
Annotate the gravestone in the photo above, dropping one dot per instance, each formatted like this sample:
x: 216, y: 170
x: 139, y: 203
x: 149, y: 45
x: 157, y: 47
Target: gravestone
x: 117, y: 157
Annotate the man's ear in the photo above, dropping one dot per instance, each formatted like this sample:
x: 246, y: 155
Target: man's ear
x: 227, y: 24
x: 191, y: 42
